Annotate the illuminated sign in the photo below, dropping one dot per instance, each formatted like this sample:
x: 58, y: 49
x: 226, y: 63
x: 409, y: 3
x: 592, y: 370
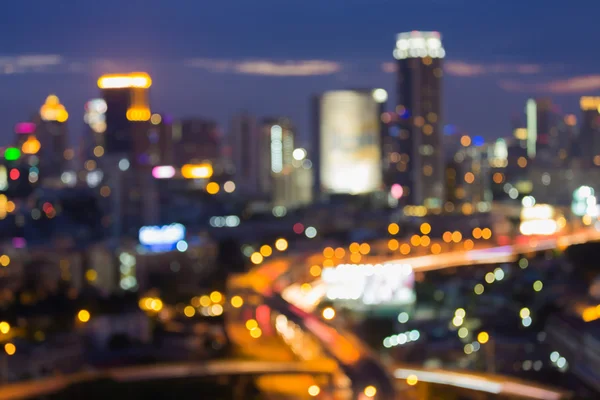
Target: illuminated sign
x: 163, y: 172
x: 12, y: 154
x: 25, y: 128
x: 120, y: 81
x: 52, y: 110
x: 161, y: 238
x: 370, y: 285
x: 138, y: 114
x: 538, y: 211
x: 539, y: 227
x: 588, y: 103
x: 417, y: 44
x: 350, y: 142
x: 197, y: 171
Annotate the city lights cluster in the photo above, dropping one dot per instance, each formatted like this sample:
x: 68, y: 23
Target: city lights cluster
x: 419, y: 45
x: 401, y: 339
x: 208, y: 305
x: 559, y: 361
x: 230, y: 221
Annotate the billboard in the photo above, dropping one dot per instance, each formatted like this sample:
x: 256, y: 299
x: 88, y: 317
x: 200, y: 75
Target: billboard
x: 370, y: 286
x: 162, y: 238
x: 350, y: 142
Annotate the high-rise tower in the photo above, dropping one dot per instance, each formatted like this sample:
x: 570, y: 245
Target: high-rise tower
x: 419, y: 165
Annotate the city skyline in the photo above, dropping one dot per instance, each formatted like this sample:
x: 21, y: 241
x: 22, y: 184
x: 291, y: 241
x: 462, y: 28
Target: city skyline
x: 214, y: 70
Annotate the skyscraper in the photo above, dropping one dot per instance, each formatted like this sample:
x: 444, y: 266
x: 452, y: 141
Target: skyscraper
x: 276, y: 160
x: 127, y: 105
x: 589, y: 132
x: 419, y: 167
x: 244, y: 140
x: 196, y: 140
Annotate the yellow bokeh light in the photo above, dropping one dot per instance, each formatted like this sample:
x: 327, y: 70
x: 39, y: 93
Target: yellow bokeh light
x: 281, y: 244
x: 483, y: 337
x: 212, y: 188
x: 465, y: 141
x: 354, y: 248
x: 412, y: 380
x: 469, y: 177
x: 425, y: 228
x: 328, y: 252
x: 4, y: 327
x: 340, y: 253
x: 31, y: 146
x: 436, y: 248
x: 216, y: 310
x: 468, y: 244
x: 476, y: 233
x: 393, y: 228
x: 256, y: 258
x: 10, y: 349
x: 266, y: 250
x: 91, y: 275
x: 364, y: 249
x: 83, y: 315
x: 405, y: 249
x: 256, y: 333
x: 155, y: 119
x: 205, y: 301
x: 237, y: 302
x: 4, y: 260
x: 314, y: 390
x: 486, y: 233
x: 522, y: 162
x: 216, y: 297
x: 370, y: 391
x: 393, y: 244
x: 189, y: 311
x: 98, y: 151
x: 251, y: 324
x: 328, y: 263
x: 456, y: 236
x: 415, y: 240
x: 138, y: 114
x: 315, y: 271
x: 355, y: 258
x: 525, y: 312
x: 425, y: 240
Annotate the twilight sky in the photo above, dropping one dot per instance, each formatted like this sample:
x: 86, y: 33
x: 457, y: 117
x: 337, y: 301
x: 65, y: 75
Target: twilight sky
x: 213, y: 58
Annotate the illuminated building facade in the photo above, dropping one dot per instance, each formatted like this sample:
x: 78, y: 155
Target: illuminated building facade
x: 276, y: 160
x: 245, y: 144
x: 348, y: 143
x: 589, y: 131
x: 51, y: 131
x: 416, y: 133
x: 127, y: 110
x: 467, y: 181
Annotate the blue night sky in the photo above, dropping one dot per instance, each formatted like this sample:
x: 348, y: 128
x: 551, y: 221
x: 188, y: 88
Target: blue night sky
x: 214, y: 58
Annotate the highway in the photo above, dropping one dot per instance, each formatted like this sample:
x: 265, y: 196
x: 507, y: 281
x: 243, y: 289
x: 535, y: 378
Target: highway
x: 355, y: 359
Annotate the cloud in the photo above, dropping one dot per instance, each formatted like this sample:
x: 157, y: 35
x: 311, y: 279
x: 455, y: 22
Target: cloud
x: 468, y: 69
x: 28, y: 63
x: 267, y: 67
x: 577, y: 84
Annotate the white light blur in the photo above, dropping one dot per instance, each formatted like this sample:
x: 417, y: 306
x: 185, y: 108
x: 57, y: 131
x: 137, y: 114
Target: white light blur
x: 403, y: 317
x: 69, y: 178
x: 279, y: 211
x: 310, y: 232
x: 230, y: 221
x: 124, y: 164
x: 229, y: 186
x: 528, y: 201
x: 538, y: 227
x: 276, y: 149
x: 526, y: 321
x: 299, y: 154
x: 163, y: 172
x: 380, y: 95
x: 156, y: 235
x: 182, y: 246
x: 418, y: 44
x: 94, y: 178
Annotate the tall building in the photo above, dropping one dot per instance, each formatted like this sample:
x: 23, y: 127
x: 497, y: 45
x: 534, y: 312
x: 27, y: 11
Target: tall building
x: 127, y: 111
x: 51, y: 132
x: 196, y: 140
x: 419, y: 168
x: 348, y: 143
x: 589, y: 131
x: 276, y: 160
x: 244, y: 140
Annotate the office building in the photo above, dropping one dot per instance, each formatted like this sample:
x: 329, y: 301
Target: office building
x: 276, y: 160
x: 589, y: 130
x: 244, y: 140
x: 417, y: 121
x: 51, y: 132
x: 127, y: 112
x: 348, y: 143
